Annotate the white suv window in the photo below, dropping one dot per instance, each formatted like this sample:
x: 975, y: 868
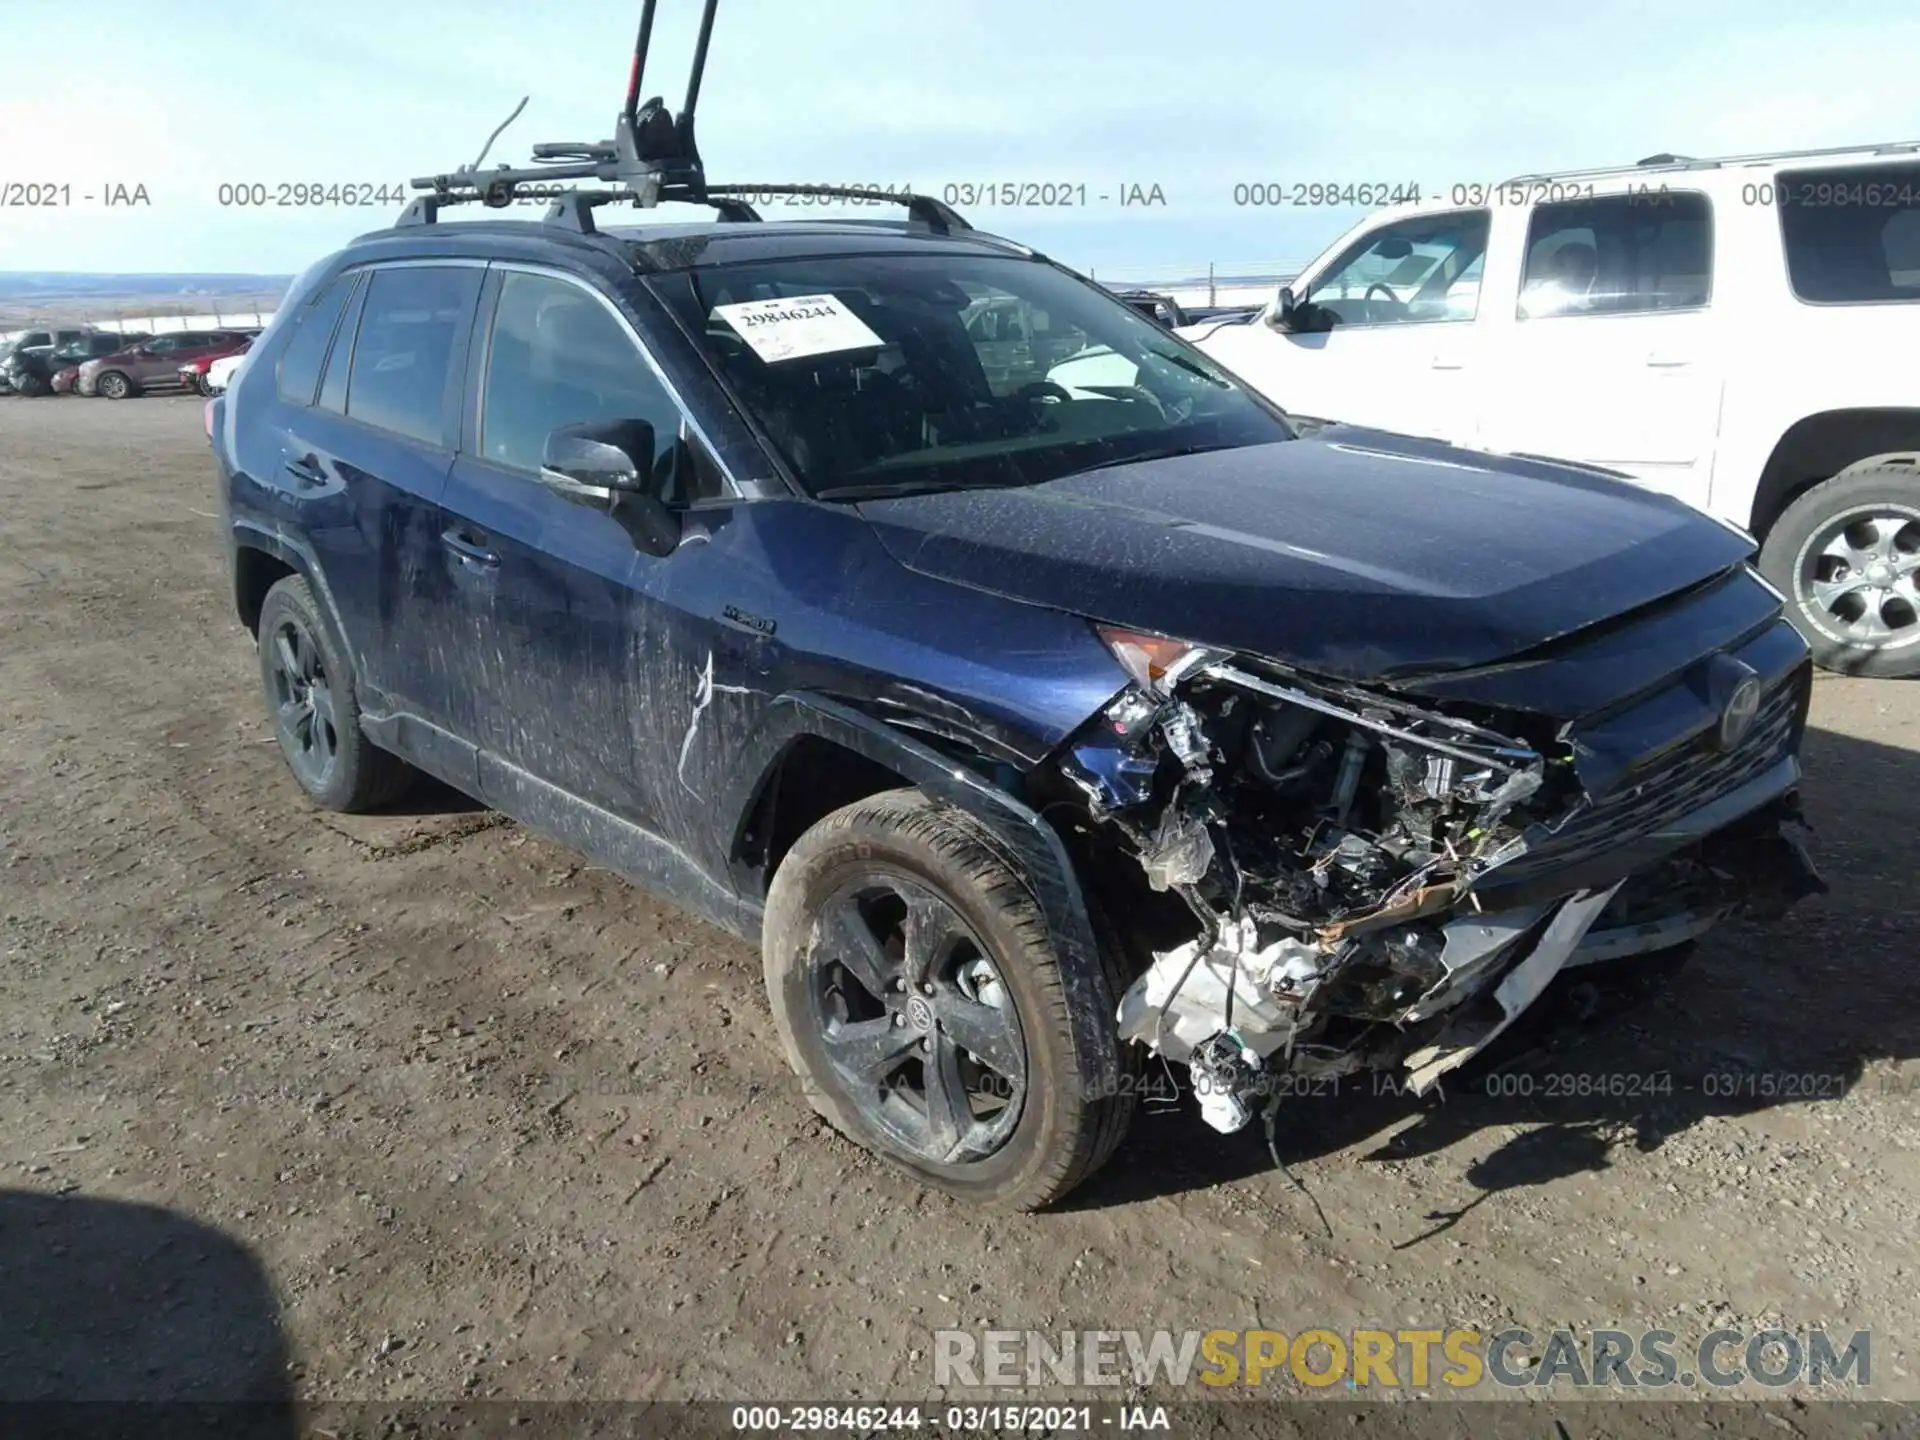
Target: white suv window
x: 1618, y: 255
x: 1419, y: 270
x: 1852, y: 236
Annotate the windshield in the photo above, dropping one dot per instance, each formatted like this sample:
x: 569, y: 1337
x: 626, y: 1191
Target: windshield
x: 889, y: 375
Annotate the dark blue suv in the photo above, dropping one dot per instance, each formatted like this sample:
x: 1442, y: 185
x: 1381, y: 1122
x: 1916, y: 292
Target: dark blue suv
x: 1022, y: 683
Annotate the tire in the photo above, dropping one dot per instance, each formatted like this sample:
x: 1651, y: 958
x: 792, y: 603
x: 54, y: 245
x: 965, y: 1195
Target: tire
x: 32, y: 386
x: 115, y: 386
x: 864, y: 865
x: 1881, y: 506
x: 309, y: 690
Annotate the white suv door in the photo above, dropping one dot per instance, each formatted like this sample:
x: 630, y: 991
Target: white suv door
x: 1381, y: 335
x: 1610, y: 354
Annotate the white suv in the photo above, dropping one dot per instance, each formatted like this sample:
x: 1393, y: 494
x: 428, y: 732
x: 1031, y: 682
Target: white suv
x: 1740, y: 333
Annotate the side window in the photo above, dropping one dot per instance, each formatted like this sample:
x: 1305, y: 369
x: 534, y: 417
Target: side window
x: 1852, y: 236
x: 557, y: 356
x: 1618, y: 255
x: 1418, y: 270
x: 413, y: 327
x: 303, y: 355
x: 163, y: 345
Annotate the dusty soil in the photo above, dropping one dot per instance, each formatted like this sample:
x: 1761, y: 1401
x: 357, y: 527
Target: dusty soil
x: 431, y: 1110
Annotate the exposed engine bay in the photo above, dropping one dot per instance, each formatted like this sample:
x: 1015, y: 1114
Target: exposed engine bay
x: 1328, y: 840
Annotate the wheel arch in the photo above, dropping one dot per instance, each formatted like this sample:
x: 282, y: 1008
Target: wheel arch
x: 806, y: 730
x: 1827, y: 443
x: 261, y: 559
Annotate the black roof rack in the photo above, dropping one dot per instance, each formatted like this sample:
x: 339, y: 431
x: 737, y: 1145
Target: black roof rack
x: 651, y: 160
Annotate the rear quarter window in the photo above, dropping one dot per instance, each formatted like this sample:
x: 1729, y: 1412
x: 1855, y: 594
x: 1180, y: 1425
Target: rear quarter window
x: 1851, y: 233
x: 306, y: 351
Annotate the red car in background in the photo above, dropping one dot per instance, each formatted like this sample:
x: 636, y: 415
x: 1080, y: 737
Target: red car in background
x: 193, y: 374
x: 156, y: 362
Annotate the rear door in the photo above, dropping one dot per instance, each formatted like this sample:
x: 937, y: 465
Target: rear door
x: 555, y: 624
x: 362, y: 468
x: 1611, y: 355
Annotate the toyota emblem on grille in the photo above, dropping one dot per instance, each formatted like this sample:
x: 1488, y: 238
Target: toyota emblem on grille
x: 1734, y: 689
x: 1737, y: 715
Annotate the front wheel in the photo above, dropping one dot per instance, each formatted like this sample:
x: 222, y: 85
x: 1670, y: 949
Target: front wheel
x: 1847, y: 556
x: 919, y: 996
x: 114, y: 386
x: 32, y: 387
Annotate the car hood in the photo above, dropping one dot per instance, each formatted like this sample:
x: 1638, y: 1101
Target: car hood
x: 1353, y: 553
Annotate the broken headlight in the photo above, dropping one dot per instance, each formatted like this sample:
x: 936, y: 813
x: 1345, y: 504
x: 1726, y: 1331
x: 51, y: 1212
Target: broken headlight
x: 1156, y: 662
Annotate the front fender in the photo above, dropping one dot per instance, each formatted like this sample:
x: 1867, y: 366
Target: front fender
x: 1028, y: 842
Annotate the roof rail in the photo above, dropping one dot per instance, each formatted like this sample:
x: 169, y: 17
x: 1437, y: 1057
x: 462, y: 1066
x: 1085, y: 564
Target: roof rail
x: 1671, y: 162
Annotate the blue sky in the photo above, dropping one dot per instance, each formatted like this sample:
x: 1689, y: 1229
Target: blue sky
x: 1194, y: 97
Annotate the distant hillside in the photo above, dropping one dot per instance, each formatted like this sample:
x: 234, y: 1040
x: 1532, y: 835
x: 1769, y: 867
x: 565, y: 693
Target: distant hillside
x: 43, y: 285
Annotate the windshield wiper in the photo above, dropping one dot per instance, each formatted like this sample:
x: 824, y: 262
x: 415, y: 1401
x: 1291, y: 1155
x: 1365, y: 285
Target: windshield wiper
x: 1168, y: 452
x: 1188, y: 365
x: 885, y: 490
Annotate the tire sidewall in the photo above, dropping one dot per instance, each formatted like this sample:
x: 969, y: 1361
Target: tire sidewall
x: 812, y: 872
x: 291, y: 599
x: 1784, y: 552
x: 105, y: 386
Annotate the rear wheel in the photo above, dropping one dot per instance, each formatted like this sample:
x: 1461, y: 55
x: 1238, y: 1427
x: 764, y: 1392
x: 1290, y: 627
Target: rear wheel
x: 919, y: 996
x: 1847, y: 556
x: 114, y: 386
x: 316, y: 715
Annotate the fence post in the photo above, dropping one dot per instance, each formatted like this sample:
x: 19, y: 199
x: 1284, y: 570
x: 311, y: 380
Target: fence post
x: 1213, y: 295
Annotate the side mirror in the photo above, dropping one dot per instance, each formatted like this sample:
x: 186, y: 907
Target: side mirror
x: 608, y: 465
x: 1286, y: 306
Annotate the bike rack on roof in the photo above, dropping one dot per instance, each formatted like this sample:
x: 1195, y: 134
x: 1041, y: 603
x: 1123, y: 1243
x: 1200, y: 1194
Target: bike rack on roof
x: 652, y: 159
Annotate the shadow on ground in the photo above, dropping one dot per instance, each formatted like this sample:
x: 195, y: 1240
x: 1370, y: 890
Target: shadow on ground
x: 1786, y: 1014
x: 122, y: 1319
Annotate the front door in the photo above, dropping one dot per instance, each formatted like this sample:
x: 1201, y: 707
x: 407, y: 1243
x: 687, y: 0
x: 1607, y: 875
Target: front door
x: 557, y: 633
x: 1383, y: 335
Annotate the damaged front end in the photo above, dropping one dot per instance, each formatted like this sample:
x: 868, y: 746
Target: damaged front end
x: 1366, y: 881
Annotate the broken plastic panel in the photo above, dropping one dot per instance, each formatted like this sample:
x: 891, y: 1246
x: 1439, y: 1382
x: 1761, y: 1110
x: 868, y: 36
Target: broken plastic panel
x: 1330, y: 842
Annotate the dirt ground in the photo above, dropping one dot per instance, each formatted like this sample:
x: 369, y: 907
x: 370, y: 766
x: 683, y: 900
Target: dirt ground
x: 433, y: 1110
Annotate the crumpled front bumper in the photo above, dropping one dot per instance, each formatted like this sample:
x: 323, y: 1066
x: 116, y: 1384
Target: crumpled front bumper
x: 1491, y: 967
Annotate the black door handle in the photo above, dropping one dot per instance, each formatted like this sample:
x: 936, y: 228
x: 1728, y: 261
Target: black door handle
x: 470, y: 550
x: 306, y: 470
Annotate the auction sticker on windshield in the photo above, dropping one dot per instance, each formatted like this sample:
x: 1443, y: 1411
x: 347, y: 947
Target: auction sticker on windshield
x: 798, y: 326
